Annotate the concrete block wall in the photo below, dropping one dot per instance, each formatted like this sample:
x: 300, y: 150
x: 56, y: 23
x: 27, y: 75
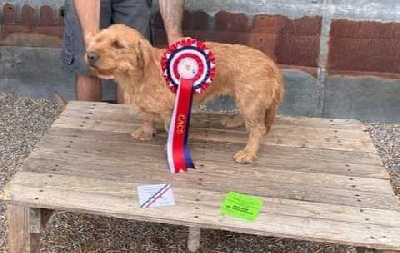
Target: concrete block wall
x: 340, y: 58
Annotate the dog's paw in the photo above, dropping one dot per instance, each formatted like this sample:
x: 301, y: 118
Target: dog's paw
x: 143, y: 134
x: 232, y: 122
x: 244, y: 156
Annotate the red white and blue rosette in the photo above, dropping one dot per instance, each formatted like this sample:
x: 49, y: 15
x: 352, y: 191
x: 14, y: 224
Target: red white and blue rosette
x: 188, y: 67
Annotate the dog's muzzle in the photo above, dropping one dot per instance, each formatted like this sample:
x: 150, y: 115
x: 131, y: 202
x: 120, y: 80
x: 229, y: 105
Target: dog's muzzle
x: 92, y: 58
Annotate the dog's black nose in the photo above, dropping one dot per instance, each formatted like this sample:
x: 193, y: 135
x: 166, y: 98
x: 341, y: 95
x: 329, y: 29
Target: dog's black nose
x: 92, y: 58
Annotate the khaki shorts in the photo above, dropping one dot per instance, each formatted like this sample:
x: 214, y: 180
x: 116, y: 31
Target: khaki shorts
x: 134, y: 13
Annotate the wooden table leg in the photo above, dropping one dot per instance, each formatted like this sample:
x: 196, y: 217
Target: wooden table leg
x: 24, y: 225
x: 120, y: 94
x: 193, y: 239
x: 365, y: 250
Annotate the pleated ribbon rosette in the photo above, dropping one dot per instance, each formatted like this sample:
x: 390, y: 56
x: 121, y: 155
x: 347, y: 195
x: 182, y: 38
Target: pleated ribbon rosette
x: 188, y: 67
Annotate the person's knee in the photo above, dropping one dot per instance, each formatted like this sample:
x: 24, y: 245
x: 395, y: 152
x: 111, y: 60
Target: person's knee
x: 88, y: 88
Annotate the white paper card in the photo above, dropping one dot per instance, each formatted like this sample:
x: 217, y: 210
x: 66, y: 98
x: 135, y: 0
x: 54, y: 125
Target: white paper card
x: 155, y: 195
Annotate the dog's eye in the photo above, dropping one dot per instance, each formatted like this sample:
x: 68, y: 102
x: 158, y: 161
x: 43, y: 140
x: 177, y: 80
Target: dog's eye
x: 117, y: 44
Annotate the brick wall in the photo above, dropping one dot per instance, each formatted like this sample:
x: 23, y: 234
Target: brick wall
x: 364, y: 48
x: 354, y: 47
x: 26, y: 26
x: 340, y: 58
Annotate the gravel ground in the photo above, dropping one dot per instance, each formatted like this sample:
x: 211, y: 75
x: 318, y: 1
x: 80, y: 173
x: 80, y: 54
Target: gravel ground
x: 23, y: 121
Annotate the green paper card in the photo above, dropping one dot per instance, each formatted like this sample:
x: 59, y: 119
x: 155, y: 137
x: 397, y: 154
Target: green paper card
x: 242, y: 206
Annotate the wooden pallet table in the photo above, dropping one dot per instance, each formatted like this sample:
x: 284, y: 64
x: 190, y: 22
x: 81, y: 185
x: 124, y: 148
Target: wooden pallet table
x: 321, y: 180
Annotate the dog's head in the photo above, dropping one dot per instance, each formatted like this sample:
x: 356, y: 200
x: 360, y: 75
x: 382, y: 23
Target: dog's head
x: 116, y: 50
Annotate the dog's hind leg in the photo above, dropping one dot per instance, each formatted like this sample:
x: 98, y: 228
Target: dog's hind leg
x: 253, y: 112
x: 270, y: 116
x: 147, y: 130
x: 233, y: 121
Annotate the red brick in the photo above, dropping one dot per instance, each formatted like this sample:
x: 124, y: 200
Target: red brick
x: 270, y: 24
x: 233, y: 22
x: 264, y: 42
x: 280, y: 24
x: 46, y: 16
x: 362, y: 46
x: 27, y: 15
x: 287, y: 41
x: 9, y: 14
x: 342, y: 28
x: 298, y: 50
x: 197, y: 20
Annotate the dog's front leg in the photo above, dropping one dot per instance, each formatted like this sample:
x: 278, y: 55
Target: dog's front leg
x: 166, y: 117
x: 147, y: 130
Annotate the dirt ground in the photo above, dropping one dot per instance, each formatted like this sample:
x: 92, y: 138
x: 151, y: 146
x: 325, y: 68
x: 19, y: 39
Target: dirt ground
x: 23, y: 121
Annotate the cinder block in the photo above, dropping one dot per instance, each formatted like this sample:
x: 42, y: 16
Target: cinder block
x: 300, y: 98
x: 369, y: 99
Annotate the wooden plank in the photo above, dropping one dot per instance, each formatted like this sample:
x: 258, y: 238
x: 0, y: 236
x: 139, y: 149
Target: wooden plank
x: 107, y: 110
x: 205, y: 181
x: 285, y: 218
x: 18, y: 232
x: 212, y: 121
x: 321, y: 129
x: 118, y: 167
x: 154, y: 157
x: 283, y: 158
x: 23, y: 229
x: 42, y: 185
x: 194, y: 239
x: 327, y: 188
x: 364, y: 250
x: 368, y: 158
x: 282, y: 137
x: 123, y: 115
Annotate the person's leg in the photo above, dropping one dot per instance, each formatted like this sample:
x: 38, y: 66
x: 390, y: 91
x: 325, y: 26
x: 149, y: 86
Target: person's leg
x: 87, y: 87
x: 133, y: 13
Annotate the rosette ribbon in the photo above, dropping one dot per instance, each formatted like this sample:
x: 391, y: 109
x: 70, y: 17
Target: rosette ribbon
x: 188, y: 67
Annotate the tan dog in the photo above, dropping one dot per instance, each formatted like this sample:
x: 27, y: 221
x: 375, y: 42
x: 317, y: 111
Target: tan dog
x: 123, y: 54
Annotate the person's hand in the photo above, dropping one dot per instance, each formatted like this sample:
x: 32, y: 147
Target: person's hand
x: 89, y: 16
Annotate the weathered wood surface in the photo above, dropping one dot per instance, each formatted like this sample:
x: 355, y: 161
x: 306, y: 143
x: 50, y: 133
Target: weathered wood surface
x: 24, y: 227
x: 320, y: 179
x: 193, y: 243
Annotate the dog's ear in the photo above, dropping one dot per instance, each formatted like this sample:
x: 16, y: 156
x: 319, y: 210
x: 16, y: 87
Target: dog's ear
x: 144, y: 53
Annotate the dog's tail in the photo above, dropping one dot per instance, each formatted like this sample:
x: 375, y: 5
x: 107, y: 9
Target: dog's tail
x: 273, y: 109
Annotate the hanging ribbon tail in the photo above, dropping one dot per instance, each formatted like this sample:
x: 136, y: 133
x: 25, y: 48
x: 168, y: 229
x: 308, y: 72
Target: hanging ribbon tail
x: 177, y: 146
